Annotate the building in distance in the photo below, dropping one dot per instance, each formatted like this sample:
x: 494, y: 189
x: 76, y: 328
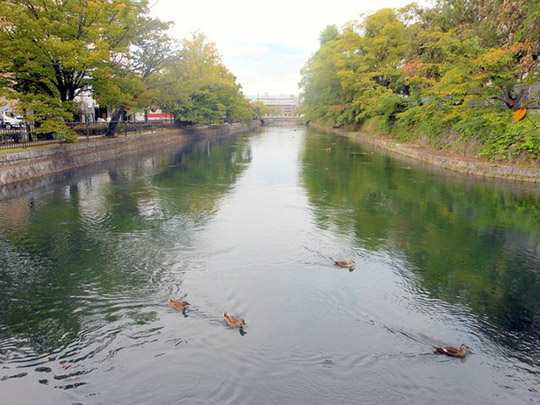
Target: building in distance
x: 282, y: 106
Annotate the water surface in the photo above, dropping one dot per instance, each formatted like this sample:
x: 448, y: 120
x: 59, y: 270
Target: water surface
x: 250, y: 225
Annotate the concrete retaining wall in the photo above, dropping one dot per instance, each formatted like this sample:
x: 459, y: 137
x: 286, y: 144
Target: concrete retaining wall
x: 447, y: 161
x: 30, y: 164
x: 453, y: 163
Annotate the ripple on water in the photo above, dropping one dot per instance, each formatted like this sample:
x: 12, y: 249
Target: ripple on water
x: 88, y: 271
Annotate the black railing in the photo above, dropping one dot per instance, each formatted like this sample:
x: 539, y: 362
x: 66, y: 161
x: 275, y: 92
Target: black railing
x: 123, y: 128
x: 21, y: 138
x: 25, y: 137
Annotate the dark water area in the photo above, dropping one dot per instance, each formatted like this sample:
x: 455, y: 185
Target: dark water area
x: 250, y: 225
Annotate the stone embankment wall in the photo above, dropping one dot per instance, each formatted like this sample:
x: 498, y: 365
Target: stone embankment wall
x: 33, y: 163
x: 468, y: 165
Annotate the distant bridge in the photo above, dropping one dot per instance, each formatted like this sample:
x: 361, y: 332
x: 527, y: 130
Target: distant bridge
x: 276, y: 120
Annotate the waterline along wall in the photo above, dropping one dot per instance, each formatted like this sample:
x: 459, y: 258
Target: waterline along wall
x: 466, y: 166
x: 30, y: 164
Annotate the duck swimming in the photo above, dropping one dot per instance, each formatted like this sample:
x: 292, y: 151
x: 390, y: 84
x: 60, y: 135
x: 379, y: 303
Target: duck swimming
x: 345, y: 264
x: 178, y: 305
x: 452, y: 351
x: 233, y: 321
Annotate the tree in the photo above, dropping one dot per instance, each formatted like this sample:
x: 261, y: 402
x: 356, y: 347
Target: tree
x: 323, y: 95
x: 349, y: 75
x: 480, y: 50
x: 330, y: 33
x: 52, y: 51
x: 460, y: 66
x: 133, y: 80
x: 259, y: 109
x: 202, y: 90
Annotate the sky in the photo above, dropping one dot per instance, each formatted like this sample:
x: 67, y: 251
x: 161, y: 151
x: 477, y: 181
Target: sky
x: 263, y: 43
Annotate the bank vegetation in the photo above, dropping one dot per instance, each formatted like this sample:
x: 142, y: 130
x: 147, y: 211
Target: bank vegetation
x: 453, y: 76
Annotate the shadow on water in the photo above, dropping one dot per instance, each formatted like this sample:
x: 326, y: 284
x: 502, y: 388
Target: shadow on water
x: 468, y: 242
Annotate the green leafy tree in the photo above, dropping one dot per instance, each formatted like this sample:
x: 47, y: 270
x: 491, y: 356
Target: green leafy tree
x: 458, y: 69
x: 259, y: 109
x: 330, y: 33
x: 133, y: 80
x: 52, y: 51
x: 323, y: 95
x: 200, y: 89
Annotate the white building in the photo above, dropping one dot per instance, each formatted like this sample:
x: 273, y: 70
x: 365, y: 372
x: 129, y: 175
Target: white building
x: 283, y: 106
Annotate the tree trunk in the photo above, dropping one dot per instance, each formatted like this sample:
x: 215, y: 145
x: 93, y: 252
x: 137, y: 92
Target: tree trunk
x: 111, y: 128
x: 519, y: 99
x: 508, y: 98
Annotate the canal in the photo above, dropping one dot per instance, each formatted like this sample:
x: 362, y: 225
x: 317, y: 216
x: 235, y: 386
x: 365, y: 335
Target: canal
x: 250, y: 225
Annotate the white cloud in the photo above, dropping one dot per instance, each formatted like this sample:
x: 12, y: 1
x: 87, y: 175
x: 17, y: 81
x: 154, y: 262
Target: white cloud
x: 264, y: 43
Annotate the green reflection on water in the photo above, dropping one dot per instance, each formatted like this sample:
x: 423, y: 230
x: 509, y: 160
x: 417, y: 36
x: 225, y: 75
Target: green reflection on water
x: 101, y: 238
x: 90, y: 253
x: 471, y: 243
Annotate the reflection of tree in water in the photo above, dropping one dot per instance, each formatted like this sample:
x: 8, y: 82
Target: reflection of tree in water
x: 99, y: 240
x: 471, y: 244
x: 200, y: 177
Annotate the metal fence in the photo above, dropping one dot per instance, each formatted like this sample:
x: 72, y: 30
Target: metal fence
x: 123, y: 128
x: 20, y: 138
x: 25, y: 137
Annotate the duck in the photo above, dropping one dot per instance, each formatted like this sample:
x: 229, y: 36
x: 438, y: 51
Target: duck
x: 233, y: 321
x: 452, y: 351
x: 347, y: 264
x: 178, y: 305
